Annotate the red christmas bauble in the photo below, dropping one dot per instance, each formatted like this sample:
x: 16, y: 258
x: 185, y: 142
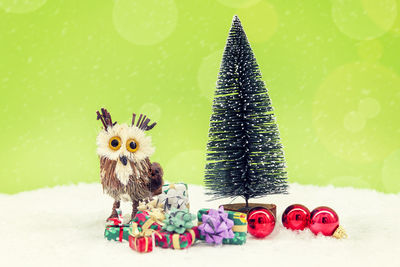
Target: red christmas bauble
x: 296, y: 217
x: 261, y: 222
x: 324, y: 220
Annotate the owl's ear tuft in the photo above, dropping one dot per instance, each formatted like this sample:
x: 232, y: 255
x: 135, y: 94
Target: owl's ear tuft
x: 105, y: 118
x: 142, y: 122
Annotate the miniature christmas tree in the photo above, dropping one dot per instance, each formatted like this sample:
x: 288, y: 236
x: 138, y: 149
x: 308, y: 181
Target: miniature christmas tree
x: 245, y: 156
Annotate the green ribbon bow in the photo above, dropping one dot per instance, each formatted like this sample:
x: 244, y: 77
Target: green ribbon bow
x: 178, y: 221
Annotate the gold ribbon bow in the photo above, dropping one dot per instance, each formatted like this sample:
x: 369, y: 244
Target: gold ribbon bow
x: 149, y: 205
x: 154, y: 210
x: 146, y: 231
x: 157, y: 215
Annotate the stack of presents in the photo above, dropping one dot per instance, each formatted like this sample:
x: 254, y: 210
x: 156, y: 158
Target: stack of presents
x: 167, y: 223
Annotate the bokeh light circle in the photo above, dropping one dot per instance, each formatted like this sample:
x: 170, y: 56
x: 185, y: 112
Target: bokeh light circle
x: 238, y: 3
x: 151, y: 110
x: 370, y: 50
x: 354, y: 121
x: 187, y: 165
x: 260, y: 21
x: 364, y: 19
x: 207, y: 75
x: 21, y: 6
x: 353, y: 112
x: 145, y: 22
x: 369, y: 107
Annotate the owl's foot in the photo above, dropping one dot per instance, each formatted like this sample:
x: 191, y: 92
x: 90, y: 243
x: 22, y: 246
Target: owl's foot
x: 114, y: 213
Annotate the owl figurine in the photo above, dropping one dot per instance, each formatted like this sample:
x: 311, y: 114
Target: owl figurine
x: 126, y: 171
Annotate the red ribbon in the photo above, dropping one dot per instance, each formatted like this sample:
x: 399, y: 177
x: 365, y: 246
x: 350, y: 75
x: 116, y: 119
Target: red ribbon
x: 118, y: 223
x: 121, y: 233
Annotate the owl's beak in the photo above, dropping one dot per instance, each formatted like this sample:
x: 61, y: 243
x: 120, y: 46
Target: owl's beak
x: 124, y: 160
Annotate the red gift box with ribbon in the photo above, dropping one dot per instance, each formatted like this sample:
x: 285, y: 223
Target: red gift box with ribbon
x: 115, y: 229
x: 174, y: 240
x: 141, y: 244
x: 141, y: 237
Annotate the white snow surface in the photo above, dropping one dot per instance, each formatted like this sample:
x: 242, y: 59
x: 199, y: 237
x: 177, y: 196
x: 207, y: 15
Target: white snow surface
x: 64, y: 226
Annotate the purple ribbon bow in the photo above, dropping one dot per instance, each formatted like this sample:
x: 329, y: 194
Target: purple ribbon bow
x: 216, y: 226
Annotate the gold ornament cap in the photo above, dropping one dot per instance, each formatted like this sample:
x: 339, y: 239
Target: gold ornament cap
x: 340, y: 233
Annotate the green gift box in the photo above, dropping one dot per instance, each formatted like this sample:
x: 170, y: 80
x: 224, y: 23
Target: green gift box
x: 117, y: 233
x: 116, y: 230
x: 239, y: 226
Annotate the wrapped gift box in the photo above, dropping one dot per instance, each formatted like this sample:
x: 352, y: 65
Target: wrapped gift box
x: 174, y: 196
x: 145, y: 221
x: 239, y: 228
x: 175, y: 240
x: 141, y: 244
x: 117, y: 232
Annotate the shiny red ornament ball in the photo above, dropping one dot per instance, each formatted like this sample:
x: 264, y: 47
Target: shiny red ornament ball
x: 296, y: 217
x: 261, y: 222
x: 324, y: 220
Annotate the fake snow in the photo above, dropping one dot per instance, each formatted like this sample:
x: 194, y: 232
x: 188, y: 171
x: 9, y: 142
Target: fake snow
x: 63, y: 226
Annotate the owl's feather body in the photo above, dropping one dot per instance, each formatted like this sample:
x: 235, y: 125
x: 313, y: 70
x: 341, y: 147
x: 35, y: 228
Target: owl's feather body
x: 138, y: 185
x: 125, y: 169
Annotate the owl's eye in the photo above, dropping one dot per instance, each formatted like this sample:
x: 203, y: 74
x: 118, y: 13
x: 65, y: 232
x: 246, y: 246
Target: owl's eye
x: 132, y: 145
x: 114, y: 143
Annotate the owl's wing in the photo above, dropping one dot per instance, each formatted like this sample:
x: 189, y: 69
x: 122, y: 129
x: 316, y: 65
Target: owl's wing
x: 156, y: 178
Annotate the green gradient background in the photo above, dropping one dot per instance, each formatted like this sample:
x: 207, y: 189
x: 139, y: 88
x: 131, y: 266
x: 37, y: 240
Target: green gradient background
x: 332, y: 69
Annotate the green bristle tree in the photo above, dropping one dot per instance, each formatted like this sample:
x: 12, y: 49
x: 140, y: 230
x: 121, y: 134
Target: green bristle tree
x: 244, y: 152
